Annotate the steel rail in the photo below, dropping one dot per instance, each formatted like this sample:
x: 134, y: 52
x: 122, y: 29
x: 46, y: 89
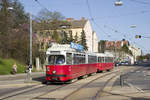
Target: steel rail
x: 100, y: 91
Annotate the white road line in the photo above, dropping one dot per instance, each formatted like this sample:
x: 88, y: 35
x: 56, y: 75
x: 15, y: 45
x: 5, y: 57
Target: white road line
x: 133, y: 86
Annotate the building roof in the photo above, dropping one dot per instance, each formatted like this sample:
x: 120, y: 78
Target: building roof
x: 115, y: 44
x: 77, y: 23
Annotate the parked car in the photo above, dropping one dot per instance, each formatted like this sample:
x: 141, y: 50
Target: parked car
x: 117, y: 63
x: 125, y: 63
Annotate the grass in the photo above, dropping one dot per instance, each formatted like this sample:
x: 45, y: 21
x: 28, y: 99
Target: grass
x: 7, y: 64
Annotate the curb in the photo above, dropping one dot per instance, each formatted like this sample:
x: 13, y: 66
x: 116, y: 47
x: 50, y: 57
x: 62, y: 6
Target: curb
x: 20, y: 74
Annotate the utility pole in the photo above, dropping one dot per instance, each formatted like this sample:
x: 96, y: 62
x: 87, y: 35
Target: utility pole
x: 28, y: 78
x: 30, y: 39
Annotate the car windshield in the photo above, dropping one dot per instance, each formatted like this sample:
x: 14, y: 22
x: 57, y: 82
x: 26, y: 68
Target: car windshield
x: 56, y: 59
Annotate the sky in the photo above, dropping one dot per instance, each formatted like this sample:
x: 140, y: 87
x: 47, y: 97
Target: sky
x: 110, y: 22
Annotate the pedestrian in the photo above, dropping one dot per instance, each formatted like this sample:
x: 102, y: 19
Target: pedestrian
x: 30, y: 68
x: 14, y: 69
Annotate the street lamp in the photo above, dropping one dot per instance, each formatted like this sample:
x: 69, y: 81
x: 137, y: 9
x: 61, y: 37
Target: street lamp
x: 10, y: 8
x: 134, y: 50
x: 133, y: 26
x: 28, y: 78
x: 118, y: 3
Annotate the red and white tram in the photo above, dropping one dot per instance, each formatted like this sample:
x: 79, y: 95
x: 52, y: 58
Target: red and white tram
x: 104, y: 62
x: 65, y: 64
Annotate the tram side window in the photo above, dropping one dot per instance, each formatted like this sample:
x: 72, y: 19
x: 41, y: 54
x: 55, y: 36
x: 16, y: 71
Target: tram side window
x: 91, y: 59
x: 107, y: 59
x: 69, y: 58
x: 111, y: 59
x: 79, y: 59
x: 103, y: 59
x: 83, y: 59
x: 100, y: 60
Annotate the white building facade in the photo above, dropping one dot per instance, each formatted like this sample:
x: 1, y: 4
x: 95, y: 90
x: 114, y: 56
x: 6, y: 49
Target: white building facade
x: 135, y: 52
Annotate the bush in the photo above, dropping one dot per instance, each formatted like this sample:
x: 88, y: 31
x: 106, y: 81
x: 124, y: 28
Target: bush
x: 7, y: 64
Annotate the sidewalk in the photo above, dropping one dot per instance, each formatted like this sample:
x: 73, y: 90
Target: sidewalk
x: 126, y: 92
x: 19, y: 74
x: 20, y: 79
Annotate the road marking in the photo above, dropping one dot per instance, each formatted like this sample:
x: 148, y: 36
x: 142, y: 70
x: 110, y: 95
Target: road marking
x: 133, y: 86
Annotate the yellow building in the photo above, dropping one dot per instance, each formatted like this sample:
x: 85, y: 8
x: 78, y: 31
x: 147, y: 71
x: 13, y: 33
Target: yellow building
x: 75, y: 27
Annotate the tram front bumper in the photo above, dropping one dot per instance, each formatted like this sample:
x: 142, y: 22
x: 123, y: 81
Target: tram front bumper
x: 54, y: 77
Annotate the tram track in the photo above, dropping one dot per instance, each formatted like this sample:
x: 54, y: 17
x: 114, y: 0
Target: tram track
x: 16, y: 93
x: 14, y: 90
x: 41, y: 96
x: 103, y: 89
x: 66, y: 97
x: 98, y: 93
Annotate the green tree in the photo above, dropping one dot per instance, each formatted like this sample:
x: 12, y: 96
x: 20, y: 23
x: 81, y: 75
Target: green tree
x: 101, y: 47
x: 18, y: 14
x: 76, y: 38
x: 49, y: 16
x: 126, y: 49
x: 14, y: 32
x: 83, y: 40
x: 47, y: 20
x: 4, y: 17
x: 65, y: 38
x: 56, y: 36
x: 70, y: 37
x: 4, y: 28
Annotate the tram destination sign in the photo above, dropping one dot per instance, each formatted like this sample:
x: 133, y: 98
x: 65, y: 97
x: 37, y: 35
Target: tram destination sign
x: 76, y: 46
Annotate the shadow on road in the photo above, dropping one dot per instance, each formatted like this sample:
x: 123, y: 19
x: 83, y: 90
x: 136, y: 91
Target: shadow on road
x: 39, y: 79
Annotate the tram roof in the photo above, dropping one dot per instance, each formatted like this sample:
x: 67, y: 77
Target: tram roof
x: 62, y: 48
x: 109, y: 54
x: 59, y: 47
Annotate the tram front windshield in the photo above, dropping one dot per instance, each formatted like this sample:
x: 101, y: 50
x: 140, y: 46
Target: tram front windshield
x: 56, y: 59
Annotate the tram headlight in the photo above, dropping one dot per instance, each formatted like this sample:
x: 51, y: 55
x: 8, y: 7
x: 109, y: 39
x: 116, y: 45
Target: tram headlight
x: 54, y: 72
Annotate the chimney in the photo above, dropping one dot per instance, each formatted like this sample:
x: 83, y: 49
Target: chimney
x: 69, y: 19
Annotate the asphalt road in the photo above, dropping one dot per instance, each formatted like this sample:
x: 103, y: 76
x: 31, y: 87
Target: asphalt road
x: 14, y: 88
x: 140, y: 79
